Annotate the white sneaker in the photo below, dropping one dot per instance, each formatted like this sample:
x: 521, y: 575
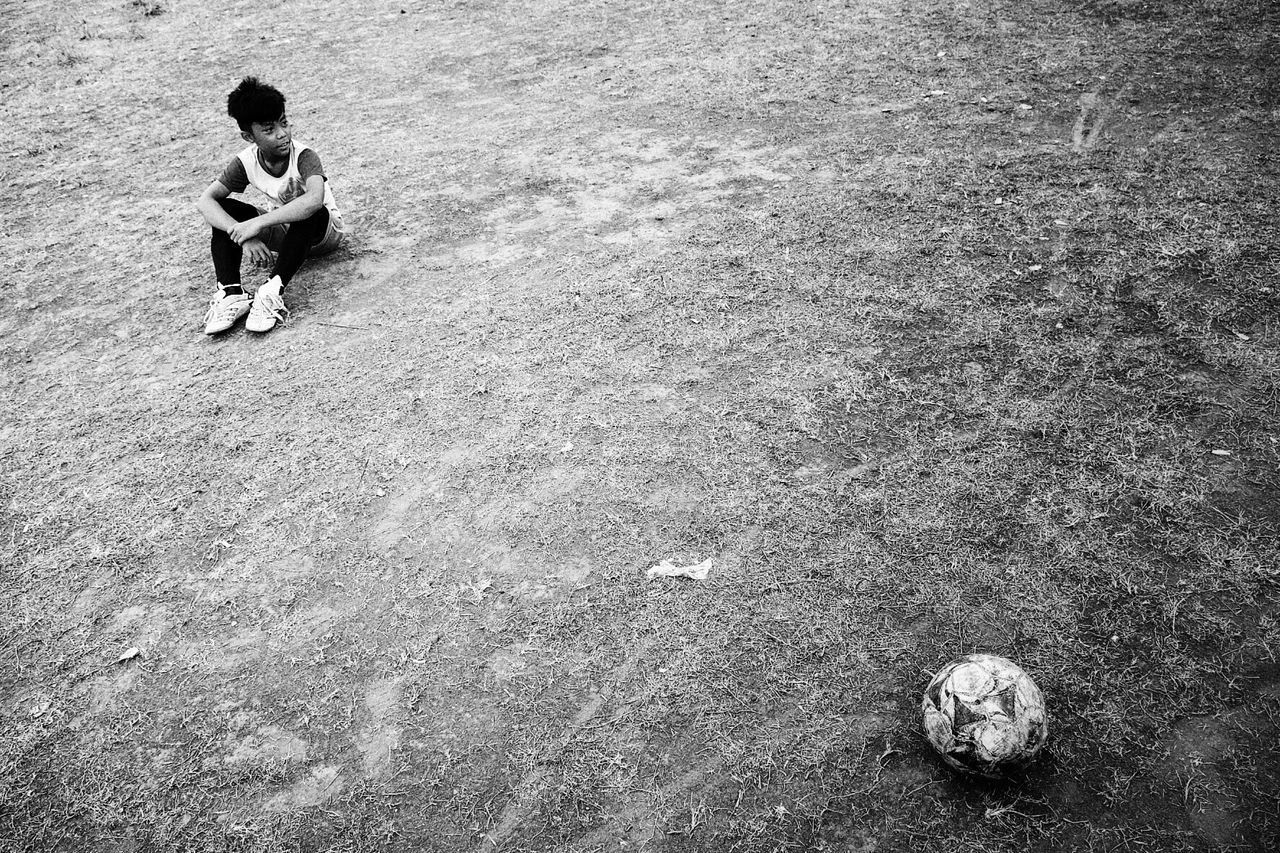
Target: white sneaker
x: 224, y: 310
x: 268, y: 308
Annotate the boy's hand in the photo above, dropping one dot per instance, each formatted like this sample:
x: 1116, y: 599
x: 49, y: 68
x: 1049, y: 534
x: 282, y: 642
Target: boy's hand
x: 257, y: 252
x: 242, y: 232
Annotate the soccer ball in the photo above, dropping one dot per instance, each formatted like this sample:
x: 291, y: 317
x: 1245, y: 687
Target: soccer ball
x: 984, y: 715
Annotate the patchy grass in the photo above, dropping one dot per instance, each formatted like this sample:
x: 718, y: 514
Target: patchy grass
x: 942, y: 327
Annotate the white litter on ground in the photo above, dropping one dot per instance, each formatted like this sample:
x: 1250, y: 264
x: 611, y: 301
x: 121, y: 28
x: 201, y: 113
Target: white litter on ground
x: 668, y: 569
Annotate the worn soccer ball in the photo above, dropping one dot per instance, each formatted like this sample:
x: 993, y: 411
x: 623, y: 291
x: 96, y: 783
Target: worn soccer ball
x: 984, y: 715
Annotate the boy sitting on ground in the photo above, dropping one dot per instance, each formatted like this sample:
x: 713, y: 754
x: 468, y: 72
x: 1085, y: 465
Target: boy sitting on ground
x: 302, y: 220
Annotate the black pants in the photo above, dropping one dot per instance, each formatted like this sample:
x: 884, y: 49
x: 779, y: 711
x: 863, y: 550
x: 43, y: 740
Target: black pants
x: 289, y: 242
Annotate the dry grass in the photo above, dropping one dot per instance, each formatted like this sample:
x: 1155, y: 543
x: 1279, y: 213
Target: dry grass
x: 633, y: 282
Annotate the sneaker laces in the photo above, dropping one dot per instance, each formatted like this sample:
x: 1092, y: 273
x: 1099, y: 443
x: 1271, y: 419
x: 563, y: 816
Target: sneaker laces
x: 272, y: 304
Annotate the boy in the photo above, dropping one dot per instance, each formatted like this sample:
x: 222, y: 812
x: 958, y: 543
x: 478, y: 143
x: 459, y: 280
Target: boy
x: 303, y: 218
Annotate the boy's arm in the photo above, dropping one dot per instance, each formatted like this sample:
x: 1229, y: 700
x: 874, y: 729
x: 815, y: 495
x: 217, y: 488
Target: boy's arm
x: 297, y: 210
x: 212, y: 211
x: 223, y: 221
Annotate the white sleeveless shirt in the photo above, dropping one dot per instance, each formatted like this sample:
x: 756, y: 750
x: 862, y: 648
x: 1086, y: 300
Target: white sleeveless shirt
x: 288, y: 186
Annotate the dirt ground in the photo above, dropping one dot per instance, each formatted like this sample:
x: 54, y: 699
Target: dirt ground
x: 939, y: 326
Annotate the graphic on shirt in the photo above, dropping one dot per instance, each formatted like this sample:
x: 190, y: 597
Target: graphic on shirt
x: 292, y: 189
x: 247, y: 169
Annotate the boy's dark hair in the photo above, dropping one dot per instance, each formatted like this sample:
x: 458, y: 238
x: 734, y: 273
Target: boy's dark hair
x: 253, y: 101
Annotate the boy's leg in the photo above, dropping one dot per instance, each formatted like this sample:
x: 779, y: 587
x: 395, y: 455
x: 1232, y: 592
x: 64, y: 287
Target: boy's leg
x: 230, y: 302
x: 227, y: 254
x: 297, y: 243
x: 334, y: 236
x: 268, y: 306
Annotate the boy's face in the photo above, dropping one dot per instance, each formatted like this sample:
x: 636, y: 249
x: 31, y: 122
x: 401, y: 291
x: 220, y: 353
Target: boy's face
x: 271, y: 137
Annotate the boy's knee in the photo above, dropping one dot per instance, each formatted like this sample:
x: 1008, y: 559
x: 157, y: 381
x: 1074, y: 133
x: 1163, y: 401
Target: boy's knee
x: 317, y: 224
